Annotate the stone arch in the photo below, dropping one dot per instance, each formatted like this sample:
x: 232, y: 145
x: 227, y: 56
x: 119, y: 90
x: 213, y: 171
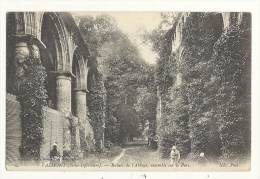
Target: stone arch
x: 30, y: 23
x: 61, y: 45
x: 217, y: 25
x: 19, y: 23
x: 182, y: 52
x: 78, y: 63
x: 78, y: 81
x: 55, y: 56
x: 10, y: 43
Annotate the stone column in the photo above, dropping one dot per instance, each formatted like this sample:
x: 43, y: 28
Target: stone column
x: 80, y: 102
x: 21, y: 53
x: 63, y: 92
x: 76, y: 138
x: 80, y: 112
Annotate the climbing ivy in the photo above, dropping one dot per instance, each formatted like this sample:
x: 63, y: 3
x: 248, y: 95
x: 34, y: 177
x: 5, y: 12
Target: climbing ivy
x: 210, y: 111
x: 200, y: 32
x: 232, y: 58
x: 96, y: 105
x: 32, y: 96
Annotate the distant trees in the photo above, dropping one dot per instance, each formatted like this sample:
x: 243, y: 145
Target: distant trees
x: 118, y: 73
x: 146, y: 108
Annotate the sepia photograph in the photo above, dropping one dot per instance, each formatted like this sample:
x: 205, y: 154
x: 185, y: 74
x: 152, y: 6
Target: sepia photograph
x: 128, y: 91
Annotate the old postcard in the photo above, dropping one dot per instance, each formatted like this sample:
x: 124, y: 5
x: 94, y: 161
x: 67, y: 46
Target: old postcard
x: 128, y: 91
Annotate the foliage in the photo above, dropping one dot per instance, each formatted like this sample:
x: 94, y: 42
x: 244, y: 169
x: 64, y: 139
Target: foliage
x: 32, y: 96
x: 96, y: 105
x: 97, y: 31
x: 196, y: 67
x: 123, y: 71
x: 210, y: 111
x: 232, y: 57
x: 161, y: 40
x: 180, y: 119
x: 146, y: 108
x: 129, y: 121
x: 118, y: 60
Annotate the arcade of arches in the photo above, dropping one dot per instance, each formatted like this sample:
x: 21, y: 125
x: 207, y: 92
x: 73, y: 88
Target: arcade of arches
x: 63, y: 53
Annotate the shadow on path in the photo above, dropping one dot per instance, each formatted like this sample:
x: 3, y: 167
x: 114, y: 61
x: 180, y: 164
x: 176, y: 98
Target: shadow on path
x: 136, y: 143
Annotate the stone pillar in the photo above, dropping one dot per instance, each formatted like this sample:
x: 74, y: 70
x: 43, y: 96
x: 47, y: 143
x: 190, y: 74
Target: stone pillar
x: 80, y: 112
x: 63, y: 92
x: 21, y: 53
x: 76, y: 137
x: 80, y: 102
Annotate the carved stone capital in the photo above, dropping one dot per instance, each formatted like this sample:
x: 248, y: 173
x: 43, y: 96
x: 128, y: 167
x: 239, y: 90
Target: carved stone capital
x: 63, y: 73
x: 28, y: 38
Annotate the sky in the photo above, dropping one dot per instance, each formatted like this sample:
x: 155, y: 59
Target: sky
x: 131, y: 23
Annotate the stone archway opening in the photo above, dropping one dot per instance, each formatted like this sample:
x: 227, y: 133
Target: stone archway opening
x: 10, y: 63
x: 218, y: 25
x: 75, y: 82
x: 50, y: 56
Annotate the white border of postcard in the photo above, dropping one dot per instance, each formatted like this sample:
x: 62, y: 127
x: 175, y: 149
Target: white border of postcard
x: 134, y: 5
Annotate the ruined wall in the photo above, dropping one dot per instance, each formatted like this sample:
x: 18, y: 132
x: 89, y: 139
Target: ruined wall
x: 53, y: 131
x: 13, y: 130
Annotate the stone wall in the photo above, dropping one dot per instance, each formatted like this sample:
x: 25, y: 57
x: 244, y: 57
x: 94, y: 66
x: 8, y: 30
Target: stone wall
x: 53, y: 131
x: 13, y: 130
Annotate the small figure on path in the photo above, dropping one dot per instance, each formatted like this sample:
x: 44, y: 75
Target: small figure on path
x: 202, y: 161
x: 175, y: 156
x: 54, y: 154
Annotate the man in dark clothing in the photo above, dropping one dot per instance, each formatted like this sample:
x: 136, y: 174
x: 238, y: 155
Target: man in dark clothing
x: 54, y: 154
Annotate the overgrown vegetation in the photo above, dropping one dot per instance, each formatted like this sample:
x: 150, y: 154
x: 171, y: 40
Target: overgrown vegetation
x: 96, y: 105
x: 113, y: 82
x: 209, y: 111
x: 204, y: 86
x: 200, y: 32
x: 32, y: 96
x: 232, y: 57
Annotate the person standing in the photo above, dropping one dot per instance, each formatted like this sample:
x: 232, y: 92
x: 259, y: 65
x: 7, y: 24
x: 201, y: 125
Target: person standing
x: 202, y: 161
x: 175, y: 156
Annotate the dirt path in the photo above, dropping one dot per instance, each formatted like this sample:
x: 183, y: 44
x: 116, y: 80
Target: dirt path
x: 119, y: 157
x: 130, y: 146
x: 137, y: 153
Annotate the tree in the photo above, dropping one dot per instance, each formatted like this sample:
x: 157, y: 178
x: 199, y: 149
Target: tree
x: 123, y: 72
x: 146, y: 108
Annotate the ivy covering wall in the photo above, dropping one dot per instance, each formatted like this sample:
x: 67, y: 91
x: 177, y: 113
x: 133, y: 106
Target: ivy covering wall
x: 96, y: 105
x: 32, y: 96
x: 232, y: 59
x: 210, y: 111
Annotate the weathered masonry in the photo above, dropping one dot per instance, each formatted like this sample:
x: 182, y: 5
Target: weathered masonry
x: 57, y: 41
